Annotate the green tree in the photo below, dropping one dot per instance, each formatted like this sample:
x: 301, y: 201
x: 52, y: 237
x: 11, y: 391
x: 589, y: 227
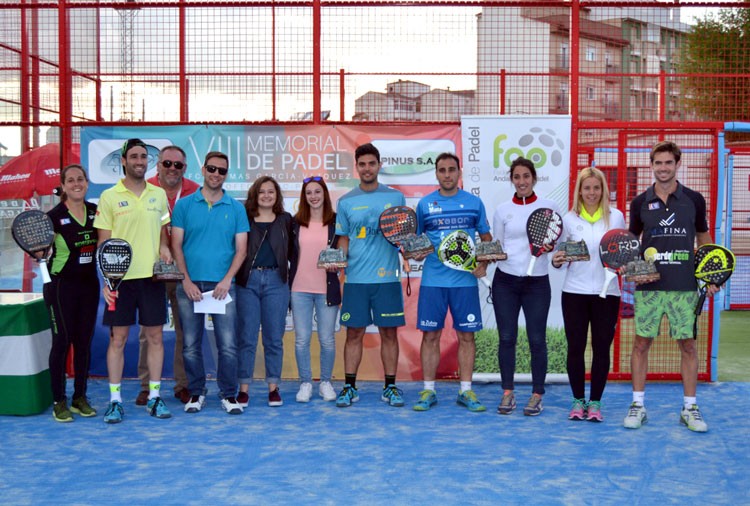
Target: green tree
x: 719, y: 48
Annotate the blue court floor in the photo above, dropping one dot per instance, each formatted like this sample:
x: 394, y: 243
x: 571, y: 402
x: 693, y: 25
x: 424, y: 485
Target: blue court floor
x: 373, y: 454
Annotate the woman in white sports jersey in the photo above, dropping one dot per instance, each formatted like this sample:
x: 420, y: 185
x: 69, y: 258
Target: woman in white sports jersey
x: 588, y: 220
x: 513, y: 290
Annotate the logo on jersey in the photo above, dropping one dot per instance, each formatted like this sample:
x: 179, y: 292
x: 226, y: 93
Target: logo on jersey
x: 667, y: 221
x: 65, y: 221
x: 653, y: 206
x: 123, y: 203
x: 434, y: 208
x: 673, y: 257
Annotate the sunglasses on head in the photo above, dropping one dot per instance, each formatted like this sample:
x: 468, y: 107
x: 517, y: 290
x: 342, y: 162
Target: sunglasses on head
x: 168, y: 163
x: 312, y: 178
x: 213, y: 168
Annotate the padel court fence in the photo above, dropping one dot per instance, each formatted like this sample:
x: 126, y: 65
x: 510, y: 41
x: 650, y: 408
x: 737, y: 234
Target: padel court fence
x: 627, y: 73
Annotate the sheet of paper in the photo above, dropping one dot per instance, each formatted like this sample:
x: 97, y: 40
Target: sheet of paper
x: 210, y: 305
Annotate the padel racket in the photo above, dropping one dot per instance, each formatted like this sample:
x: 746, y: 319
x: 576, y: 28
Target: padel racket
x: 713, y: 266
x: 543, y: 228
x: 34, y: 233
x: 616, y: 248
x: 395, y: 224
x: 457, y: 251
x: 113, y: 258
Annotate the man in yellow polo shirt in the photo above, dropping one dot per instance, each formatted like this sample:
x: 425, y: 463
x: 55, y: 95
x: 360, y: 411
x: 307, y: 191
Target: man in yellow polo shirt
x: 138, y: 212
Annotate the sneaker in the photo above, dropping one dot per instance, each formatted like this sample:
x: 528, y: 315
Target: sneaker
x: 427, y: 399
x: 347, y: 396
x: 183, y: 394
x: 469, y: 399
x: 114, y: 413
x: 243, y: 399
x: 61, y: 413
x: 82, y: 407
x: 305, y: 392
x: 507, y: 404
x: 142, y: 398
x: 636, y: 417
x: 692, y: 418
x: 578, y: 410
x: 393, y: 396
x: 594, y: 411
x: 231, y: 406
x: 274, y: 398
x: 195, y: 403
x: 157, y: 408
x: 534, y: 406
x: 326, y: 391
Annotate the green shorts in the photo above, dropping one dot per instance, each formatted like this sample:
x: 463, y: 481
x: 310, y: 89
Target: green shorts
x: 651, y: 306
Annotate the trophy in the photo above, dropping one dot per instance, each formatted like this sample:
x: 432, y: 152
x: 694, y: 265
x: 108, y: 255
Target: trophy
x: 575, y: 251
x: 332, y: 257
x: 416, y: 245
x: 641, y: 271
x: 490, y: 251
x: 166, y: 272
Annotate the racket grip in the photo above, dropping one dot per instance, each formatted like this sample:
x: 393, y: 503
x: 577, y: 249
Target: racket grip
x: 111, y: 306
x: 531, y: 266
x: 45, y: 272
x: 609, y: 275
x: 701, y: 301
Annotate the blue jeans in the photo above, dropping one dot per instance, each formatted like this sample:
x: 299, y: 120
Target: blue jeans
x: 225, y: 330
x: 302, y: 314
x: 263, y: 303
x: 510, y: 294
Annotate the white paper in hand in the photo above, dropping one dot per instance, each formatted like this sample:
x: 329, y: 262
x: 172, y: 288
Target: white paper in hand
x: 209, y: 305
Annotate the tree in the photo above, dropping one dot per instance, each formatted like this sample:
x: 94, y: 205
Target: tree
x: 719, y: 48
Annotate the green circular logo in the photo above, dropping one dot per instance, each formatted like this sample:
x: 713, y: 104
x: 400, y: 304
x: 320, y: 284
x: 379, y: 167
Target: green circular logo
x: 345, y: 317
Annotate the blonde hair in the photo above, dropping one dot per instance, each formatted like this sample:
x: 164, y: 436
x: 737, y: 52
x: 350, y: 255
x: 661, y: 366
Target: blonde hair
x: 584, y: 174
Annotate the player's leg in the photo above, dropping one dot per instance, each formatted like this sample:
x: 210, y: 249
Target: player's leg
x: 387, y: 304
x: 535, y: 301
x: 506, y: 302
x: 302, y: 316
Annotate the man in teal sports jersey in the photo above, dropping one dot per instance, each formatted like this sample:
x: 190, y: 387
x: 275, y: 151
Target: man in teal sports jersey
x: 372, y: 291
x: 439, y: 215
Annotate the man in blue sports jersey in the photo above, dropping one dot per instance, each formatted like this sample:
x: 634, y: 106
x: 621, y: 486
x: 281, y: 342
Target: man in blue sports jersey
x: 439, y: 215
x: 372, y: 291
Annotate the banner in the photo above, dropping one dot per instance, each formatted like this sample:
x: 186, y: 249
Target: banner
x: 290, y: 154
x: 490, y: 144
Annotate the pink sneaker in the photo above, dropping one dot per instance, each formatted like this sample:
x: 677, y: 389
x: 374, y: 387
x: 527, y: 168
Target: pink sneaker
x: 594, y: 412
x: 578, y: 410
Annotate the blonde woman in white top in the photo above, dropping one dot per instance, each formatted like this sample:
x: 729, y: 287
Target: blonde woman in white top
x: 589, y: 219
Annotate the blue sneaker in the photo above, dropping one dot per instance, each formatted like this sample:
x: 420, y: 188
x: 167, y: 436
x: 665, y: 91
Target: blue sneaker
x: 427, y: 399
x: 393, y: 396
x: 469, y: 399
x: 347, y: 396
x: 114, y: 413
x: 157, y: 408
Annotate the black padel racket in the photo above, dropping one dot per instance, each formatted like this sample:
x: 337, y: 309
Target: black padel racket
x: 616, y: 248
x: 395, y: 224
x: 113, y: 258
x: 34, y: 233
x: 543, y: 228
x: 713, y: 266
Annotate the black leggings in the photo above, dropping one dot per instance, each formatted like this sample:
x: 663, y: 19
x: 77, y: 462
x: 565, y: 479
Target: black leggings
x: 578, y: 312
x: 72, y: 304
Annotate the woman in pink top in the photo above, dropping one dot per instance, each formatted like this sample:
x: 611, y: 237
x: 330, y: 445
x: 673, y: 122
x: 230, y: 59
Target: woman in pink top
x: 314, y: 230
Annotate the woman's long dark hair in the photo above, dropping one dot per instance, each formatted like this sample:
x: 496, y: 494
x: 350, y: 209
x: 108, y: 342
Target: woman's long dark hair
x: 251, y: 204
x: 303, y: 214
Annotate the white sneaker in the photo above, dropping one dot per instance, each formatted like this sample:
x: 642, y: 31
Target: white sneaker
x: 305, y: 392
x: 326, y: 391
x: 231, y: 406
x: 195, y: 403
x: 636, y: 417
x: 692, y: 418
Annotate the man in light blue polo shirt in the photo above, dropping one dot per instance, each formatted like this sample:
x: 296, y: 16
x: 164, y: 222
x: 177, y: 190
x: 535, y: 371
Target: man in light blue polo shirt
x: 372, y: 291
x: 209, y: 244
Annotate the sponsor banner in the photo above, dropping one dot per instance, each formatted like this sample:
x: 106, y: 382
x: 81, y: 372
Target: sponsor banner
x: 290, y: 154
x: 490, y: 144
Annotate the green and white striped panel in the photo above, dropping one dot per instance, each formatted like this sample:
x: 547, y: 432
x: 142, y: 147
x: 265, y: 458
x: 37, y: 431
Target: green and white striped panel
x: 25, y: 342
